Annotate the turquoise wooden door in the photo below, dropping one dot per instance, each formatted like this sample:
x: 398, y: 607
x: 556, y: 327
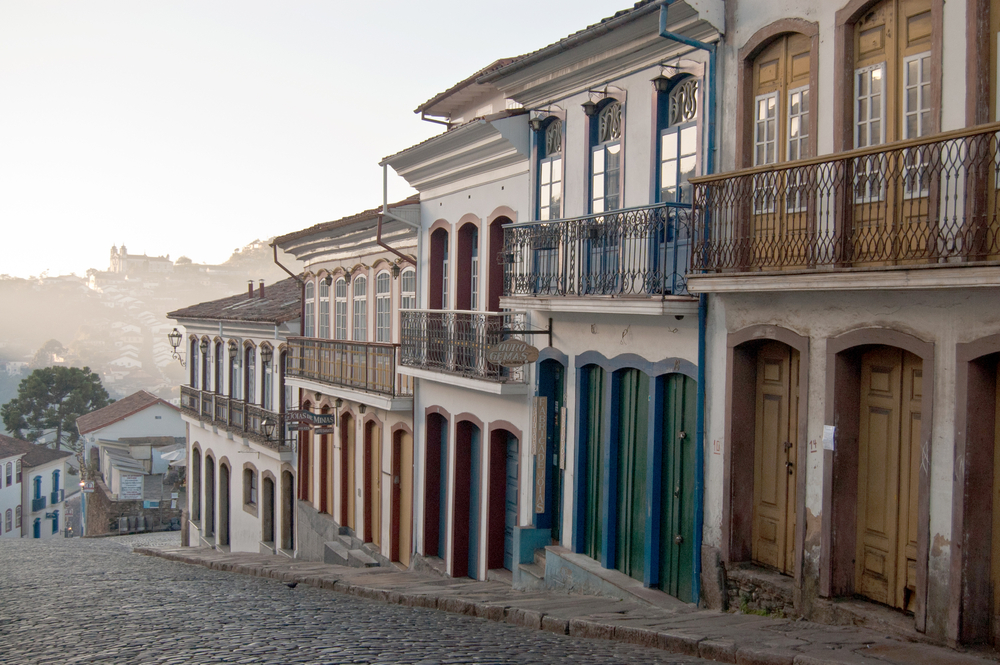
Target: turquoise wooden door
x: 677, y: 486
x: 510, y: 503
x: 633, y: 428
x: 593, y: 402
x: 550, y: 384
x: 475, y: 475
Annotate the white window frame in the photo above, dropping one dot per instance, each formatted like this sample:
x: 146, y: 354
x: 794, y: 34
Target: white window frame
x: 360, y: 309
x: 408, y: 289
x: 383, y: 308
x: 309, y: 317
x: 869, y: 185
x: 550, y: 188
x: 794, y: 185
x: 340, y: 308
x: 916, y: 179
x: 474, y: 269
x: 324, y: 310
x: 764, y: 190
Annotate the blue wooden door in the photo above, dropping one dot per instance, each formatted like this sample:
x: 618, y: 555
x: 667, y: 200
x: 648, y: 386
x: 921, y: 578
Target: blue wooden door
x: 510, y: 513
x: 633, y: 416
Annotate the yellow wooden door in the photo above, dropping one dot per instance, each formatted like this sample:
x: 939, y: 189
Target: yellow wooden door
x: 405, y: 472
x: 888, y: 476
x: 375, y: 450
x: 775, y: 448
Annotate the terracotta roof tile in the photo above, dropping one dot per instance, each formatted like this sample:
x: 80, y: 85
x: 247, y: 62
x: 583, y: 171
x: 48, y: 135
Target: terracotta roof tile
x: 116, y: 411
x: 281, y: 303
x: 493, y: 66
x: 322, y: 227
x: 34, y: 454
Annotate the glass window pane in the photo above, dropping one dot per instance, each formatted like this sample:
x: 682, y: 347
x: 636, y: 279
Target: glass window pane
x: 669, y: 146
x: 689, y: 140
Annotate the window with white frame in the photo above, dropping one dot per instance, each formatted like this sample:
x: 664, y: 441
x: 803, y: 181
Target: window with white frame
x: 916, y: 122
x: 324, y: 310
x: 797, y: 147
x: 10, y: 474
x: 361, y: 309
x: 9, y: 520
x: 444, y: 278
x: 219, y: 374
x: 193, y: 363
x: 474, y: 270
x: 17, y: 471
x: 250, y: 373
x: 550, y: 172
x: 266, y: 391
x: 234, y: 371
x: 383, y: 308
x: 679, y: 142
x: 408, y: 289
x: 869, y: 130
x: 309, y: 316
x: 17, y: 517
x: 765, y: 150
x: 606, y: 160
x: 340, y: 309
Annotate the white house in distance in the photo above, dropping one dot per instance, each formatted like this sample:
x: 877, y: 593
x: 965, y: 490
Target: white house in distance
x: 241, y: 471
x: 141, y: 414
x: 38, y: 477
x: 11, y: 452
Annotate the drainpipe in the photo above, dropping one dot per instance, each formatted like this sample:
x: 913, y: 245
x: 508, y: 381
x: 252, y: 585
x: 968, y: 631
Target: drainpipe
x: 385, y: 213
x: 699, y: 478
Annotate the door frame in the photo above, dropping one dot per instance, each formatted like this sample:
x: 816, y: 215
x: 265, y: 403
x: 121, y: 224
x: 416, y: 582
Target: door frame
x: 840, y: 466
x: 969, y: 573
x: 372, y: 433
x: 737, y: 502
x: 496, y: 491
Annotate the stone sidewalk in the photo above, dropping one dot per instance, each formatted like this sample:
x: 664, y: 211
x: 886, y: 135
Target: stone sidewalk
x: 723, y: 637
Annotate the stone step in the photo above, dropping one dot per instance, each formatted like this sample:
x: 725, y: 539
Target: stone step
x: 347, y: 541
x: 532, y: 569
x: 540, y: 557
x: 335, y: 553
x: 361, y: 559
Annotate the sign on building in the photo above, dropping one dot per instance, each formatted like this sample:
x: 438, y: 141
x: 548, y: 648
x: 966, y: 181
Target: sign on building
x: 511, y: 353
x: 130, y: 488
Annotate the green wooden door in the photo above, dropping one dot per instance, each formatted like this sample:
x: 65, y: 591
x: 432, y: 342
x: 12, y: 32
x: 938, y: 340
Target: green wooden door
x: 633, y: 416
x: 677, y: 486
x: 594, y: 404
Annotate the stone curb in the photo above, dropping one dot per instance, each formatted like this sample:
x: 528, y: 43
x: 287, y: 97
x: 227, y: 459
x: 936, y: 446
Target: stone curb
x: 675, y: 641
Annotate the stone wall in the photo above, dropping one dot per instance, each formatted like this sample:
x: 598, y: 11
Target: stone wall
x: 754, y: 590
x: 104, y: 512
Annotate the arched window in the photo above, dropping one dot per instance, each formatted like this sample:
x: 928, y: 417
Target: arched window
x: 438, y: 270
x: 205, y: 364
x: 9, y: 520
x: 606, y: 157
x: 340, y: 309
x: 550, y: 170
x: 678, y: 118
x: 361, y: 309
x: 308, y: 316
x: 234, y: 370
x: 266, y: 391
x: 218, y: 367
x: 383, y: 308
x: 17, y: 517
x: 408, y: 289
x: 37, y: 483
x: 467, y: 270
x: 193, y: 354
x: 250, y: 373
x: 10, y: 474
x: 324, y: 309
x: 55, y: 482
x: 249, y: 487
x: 17, y: 467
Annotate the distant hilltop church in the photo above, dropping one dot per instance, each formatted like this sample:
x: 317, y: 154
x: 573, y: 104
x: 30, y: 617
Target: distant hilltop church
x: 132, y: 264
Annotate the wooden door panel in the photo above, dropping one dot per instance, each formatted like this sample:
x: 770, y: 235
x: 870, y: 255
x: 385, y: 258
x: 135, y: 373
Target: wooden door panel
x: 595, y: 462
x: 995, y: 549
x: 677, y: 487
x: 405, y: 472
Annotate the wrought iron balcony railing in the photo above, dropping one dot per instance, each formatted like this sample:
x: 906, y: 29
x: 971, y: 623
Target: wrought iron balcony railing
x: 238, y: 417
x: 633, y: 252
x: 920, y: 202
x: 362, y: 366
x: 455, y: 342
x: 38, y: 504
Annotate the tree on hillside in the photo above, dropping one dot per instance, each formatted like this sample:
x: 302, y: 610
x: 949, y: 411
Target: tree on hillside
x: 51, y: 352
x: 48, y: 403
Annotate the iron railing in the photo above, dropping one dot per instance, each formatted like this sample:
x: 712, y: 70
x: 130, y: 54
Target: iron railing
x: 920, y: 202
x: 357, y: 365
x: 56, y: 496
x: 633, y: 252
x: 455, y: 342
x: 238, y: 417
x: 38, y: 504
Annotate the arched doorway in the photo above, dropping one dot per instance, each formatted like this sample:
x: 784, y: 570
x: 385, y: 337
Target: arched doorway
x: 373, y: 483
x: 435, y: 484
x: 401, y: 528
x: 223, y: 505
x: 347, y: 485
x: 551, y: 385
x: 881, y: 386
x: 287, y: 511
x: 466, y: 500
x: 209, y: 526
x: 502, y: 512
x: 267, y: 511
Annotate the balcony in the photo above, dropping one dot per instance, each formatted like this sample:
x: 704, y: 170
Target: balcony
x: 238, y: 417
x: 455, y: 342
x: 632, y: 253
x: 56, y: 497
x: 38, y: 504
x: 917, y: 204
x: 356, y: 366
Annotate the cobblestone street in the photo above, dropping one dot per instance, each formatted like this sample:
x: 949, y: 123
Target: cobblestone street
x: 94, y: 601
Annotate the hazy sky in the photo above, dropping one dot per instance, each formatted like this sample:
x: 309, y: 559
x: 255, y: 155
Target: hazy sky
x: 194, y: 127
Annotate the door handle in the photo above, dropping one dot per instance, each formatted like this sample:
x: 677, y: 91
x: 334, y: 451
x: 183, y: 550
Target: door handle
x: 790, y: 467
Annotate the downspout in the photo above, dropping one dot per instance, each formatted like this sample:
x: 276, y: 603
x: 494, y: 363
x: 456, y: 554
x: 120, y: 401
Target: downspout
x: 302, y: 287
x: 385, y: 213
x: 699, y: 478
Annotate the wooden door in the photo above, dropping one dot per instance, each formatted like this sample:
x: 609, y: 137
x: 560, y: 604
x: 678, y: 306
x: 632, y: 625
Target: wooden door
x: 347, y: 477
x: 888, y: 472
x: 677, y: 504
x: 373, y: 483
x: 324, y: 476
x: 775, y: 449
x: 403, y: 496
x: 593, y: 402
x: 995, y: 549
x: 510, y: 501
x: 633, y: 418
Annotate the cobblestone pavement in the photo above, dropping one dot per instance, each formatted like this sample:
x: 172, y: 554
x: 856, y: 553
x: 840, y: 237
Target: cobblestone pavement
x: 94, y: 601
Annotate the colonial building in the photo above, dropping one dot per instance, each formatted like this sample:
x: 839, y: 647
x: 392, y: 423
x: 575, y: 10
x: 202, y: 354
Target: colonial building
x: 849, y: 247
x: 355, y: 453
x: 11, y: 506
x: 35, y: 479
x: 241, y: 473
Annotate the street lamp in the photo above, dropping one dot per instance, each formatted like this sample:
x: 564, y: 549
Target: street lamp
x: 266, y: 354
x: 174, y: 338
x: 203, y: 346
x: 268, y: 427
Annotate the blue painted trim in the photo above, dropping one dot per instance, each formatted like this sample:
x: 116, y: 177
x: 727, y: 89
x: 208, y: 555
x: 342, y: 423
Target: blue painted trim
x: 671, y: 365
x: 552, y: 353
x: 580, y: 466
